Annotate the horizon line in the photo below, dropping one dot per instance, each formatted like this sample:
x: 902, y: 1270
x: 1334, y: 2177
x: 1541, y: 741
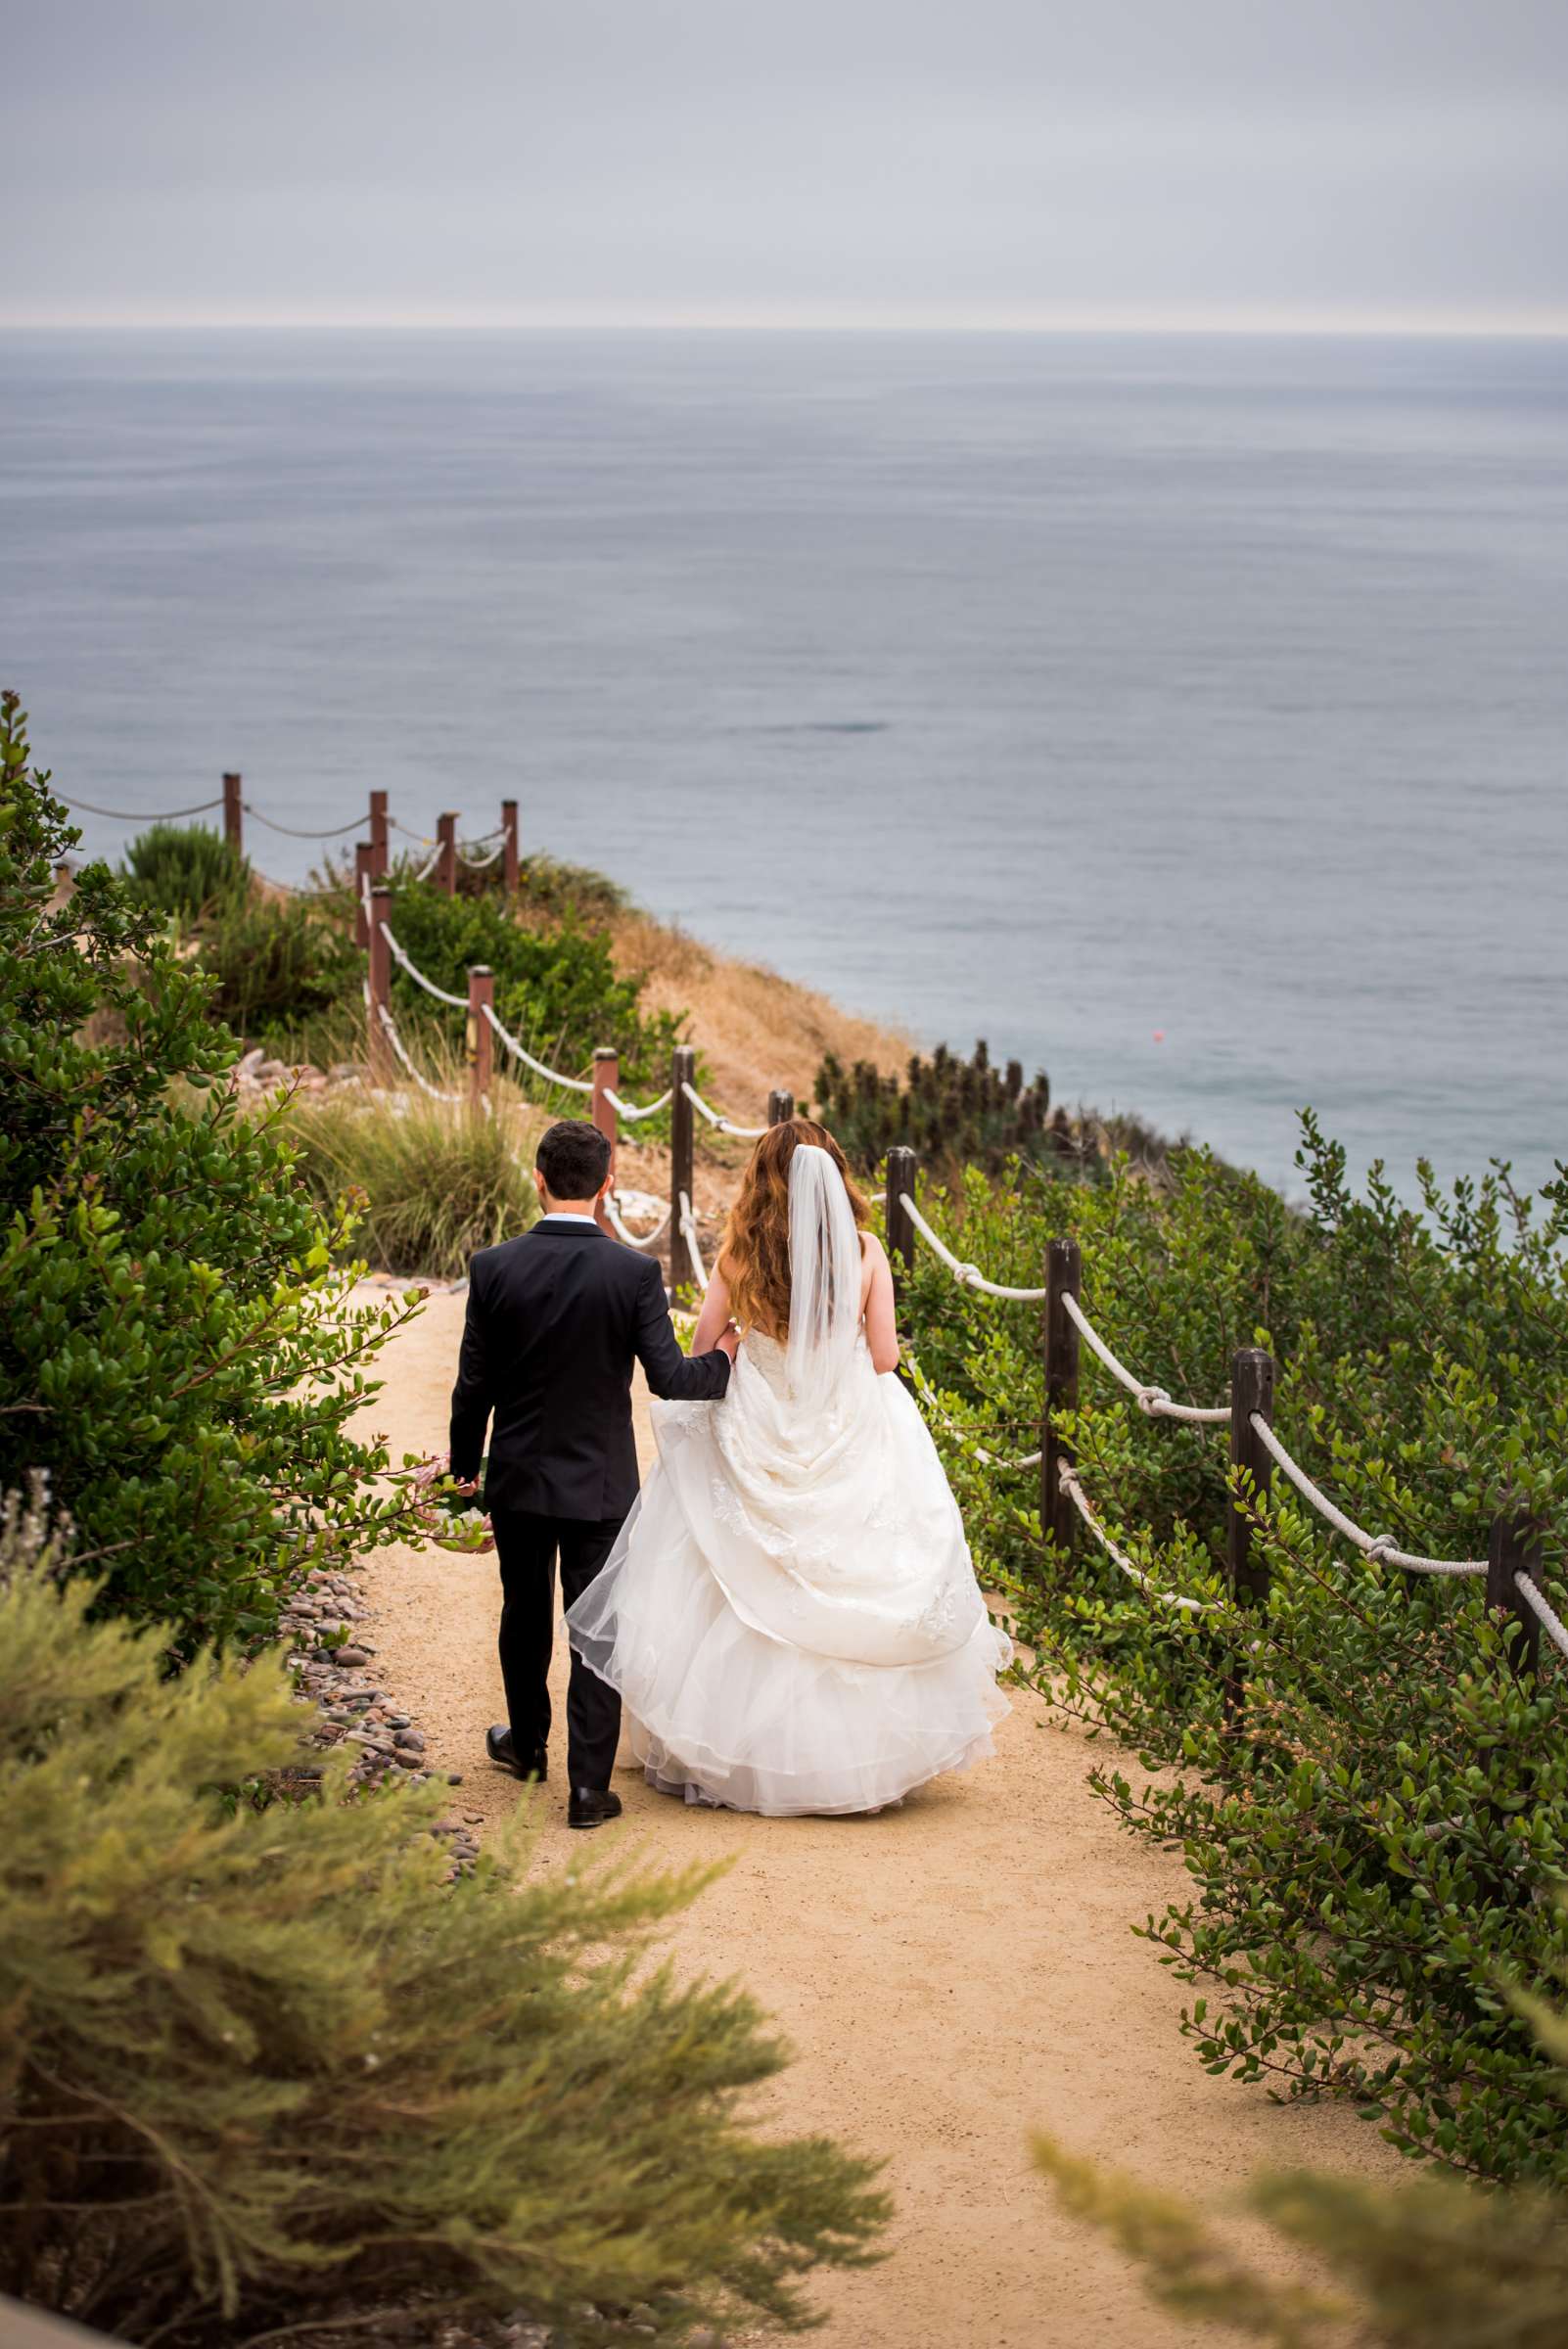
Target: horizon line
x: 1543, y: 325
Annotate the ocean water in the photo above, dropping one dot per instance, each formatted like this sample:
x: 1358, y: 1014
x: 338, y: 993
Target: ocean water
x: 1187, y: 716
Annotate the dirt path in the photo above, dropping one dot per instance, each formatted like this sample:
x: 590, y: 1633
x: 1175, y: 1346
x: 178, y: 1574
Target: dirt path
x: 952, y: 1975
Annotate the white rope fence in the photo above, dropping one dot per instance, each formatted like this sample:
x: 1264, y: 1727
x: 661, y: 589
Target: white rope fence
x: 970, y: 1277
x: 1068, y: 1479
x: 572, y: 1084
x: 688, y: 1232
x: 1155, y: 1401
x: 144, y: 816
x: 388, y: 1028
x: 405, y: 960
x: 744, y: 1133
x: 1546, y: 1613
x: 1378, y: 1546
x: 292, y: 830
x: 628, y: 1109
x: 477, y: 864
x: 431, y: 862
x: 635, y: 1239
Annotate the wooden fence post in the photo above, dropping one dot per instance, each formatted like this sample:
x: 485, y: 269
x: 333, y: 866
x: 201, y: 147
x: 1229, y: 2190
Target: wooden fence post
x: 364, y: 872
x: 233, y: 814
x: 378, y: 834
x: 481, y: 1038
x: 446, y: 858
x: 780, y: 1107
x: 381, y: 1057
x: 903, y: 1169
x: 1252, y: 1390
x: 1252, y: 1394
x: 509, y: 844
x: 682, y: 1162
x: 606, y: 1080
x: 1064, y: 1278
x: 1515, y: 1550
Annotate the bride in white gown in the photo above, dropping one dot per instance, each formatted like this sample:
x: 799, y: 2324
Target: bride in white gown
x: 789, y: 1613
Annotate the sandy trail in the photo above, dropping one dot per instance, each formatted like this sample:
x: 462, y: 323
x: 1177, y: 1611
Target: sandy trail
x: 951, y: 1975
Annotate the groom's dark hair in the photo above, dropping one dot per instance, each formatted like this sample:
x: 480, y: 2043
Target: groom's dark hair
x: 573, y: 1158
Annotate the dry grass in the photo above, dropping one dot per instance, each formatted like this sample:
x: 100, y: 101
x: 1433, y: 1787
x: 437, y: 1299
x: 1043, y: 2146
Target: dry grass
x: 753, y: 1029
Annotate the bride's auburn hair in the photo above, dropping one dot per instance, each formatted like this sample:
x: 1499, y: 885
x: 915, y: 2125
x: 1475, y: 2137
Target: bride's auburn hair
x: 755, y: 1259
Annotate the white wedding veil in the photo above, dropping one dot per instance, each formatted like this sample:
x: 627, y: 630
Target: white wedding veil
x: 824, y: 1275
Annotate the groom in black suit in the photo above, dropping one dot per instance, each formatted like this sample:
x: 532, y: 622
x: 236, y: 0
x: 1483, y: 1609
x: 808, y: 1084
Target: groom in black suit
x: 555, y: 1322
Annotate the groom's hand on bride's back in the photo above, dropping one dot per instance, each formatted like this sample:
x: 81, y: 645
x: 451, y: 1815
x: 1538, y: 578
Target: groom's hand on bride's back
x: 728, y: 1341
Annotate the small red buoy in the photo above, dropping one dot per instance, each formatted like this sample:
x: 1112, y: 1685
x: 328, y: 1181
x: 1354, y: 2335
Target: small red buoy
x: 1159, y: 1036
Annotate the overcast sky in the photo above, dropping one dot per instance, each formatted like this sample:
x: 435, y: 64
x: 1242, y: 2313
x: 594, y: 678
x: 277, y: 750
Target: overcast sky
x: 869, y: 161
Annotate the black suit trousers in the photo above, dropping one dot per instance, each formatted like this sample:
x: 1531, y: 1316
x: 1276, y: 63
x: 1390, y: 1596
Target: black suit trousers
x: 527, y: 1547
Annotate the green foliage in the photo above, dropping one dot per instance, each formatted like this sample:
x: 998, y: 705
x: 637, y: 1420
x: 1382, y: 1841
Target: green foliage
x: 185, y: 870
x: 556, y: 985
x: 953, y: 1112
x: 430, y: 1183
x: 261, y: 2067
x: 177, y: 1348
x: 1432, y: 2266
x: 276, y: 965
x: 1372, y: 1861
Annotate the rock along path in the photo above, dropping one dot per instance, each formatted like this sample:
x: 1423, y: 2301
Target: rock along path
x: 951, y: 1975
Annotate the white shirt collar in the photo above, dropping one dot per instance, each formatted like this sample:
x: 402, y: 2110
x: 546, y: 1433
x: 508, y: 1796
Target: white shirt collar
x: 567, y: 1215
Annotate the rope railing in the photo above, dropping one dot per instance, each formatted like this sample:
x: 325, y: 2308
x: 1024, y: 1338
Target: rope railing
x: 520, y: 1051
x: 405, y: 962
x: 689, y: 1233
x: 1545, y: 1612
x: 355, y: 823
x: 1255, y: 1450
x: 1154, y: 1401
x: 628, y: 1109
x: 477, y: 864
x: 144, y: 816
x: 635, y: 1239
x: 1380, y: 1547
x: 720, y: 1124
x: 400, y: 1052
x: 969, y: 1277
x: 1067, y: 1478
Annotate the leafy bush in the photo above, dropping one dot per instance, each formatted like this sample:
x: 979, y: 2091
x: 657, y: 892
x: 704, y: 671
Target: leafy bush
x: 262, y: 2068
x: 431, y: 1183
x: 556, y: 986
x: 177, y: 1348
x: 1375, y: 1855
x: 1431, y: 2266
x: 953, y: 1112
x: 276, y: 965
x: 185, y: 870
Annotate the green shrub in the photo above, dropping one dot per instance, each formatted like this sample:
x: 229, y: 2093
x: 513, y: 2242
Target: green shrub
x: 1377, y: 1853
x: 177, y: 1348
x: 276, y: 965
x: 954, y: 1112
x: 261, y: 2067
x: 556, y: 986
x: 185, y: 870
x: 431, y: 1183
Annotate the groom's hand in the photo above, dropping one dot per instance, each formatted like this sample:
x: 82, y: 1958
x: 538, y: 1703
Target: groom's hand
x: 728, y: 1341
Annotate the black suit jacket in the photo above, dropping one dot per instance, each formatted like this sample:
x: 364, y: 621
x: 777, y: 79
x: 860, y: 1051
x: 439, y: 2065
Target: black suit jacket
x: 555, y: 1322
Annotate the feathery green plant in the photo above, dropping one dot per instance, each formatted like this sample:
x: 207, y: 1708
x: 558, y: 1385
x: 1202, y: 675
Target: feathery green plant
x: 259, y: 2069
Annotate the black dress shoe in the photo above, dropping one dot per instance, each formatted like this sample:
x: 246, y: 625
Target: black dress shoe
x: 498, y: 1745
x: 591, y: 1805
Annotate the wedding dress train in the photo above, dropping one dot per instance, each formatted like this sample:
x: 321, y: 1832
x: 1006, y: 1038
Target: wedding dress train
x: 789, y: 1613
